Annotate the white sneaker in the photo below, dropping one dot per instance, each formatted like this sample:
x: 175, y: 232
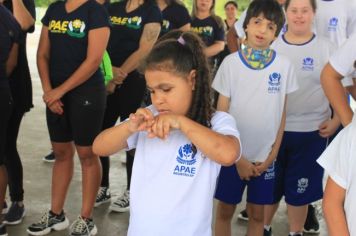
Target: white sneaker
x: 122, y: 204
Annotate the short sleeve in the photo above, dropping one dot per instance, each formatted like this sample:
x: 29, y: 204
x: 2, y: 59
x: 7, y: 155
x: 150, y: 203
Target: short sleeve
x: 132, y: 141
x: 98, y: 17
x: 222, y: 80
x: 30, y: 6
x: 351, y: 21
x: 46, y: 18
x: 154, y: 15
x: 343, y: 60
x: 335, y: 159
x: 183, y: 16
x: 219, y: 34
x: 224, y: 123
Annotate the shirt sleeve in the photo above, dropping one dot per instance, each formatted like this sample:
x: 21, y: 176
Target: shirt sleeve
x: 154, y: 15
x: 239, y: 25
x: 224, y: 123
x: 46, y: 18
x: 219, y: 34
x: 183, y: 16
x: 30, y: 6
x: 292, y: 82
x: 336, y: 158
x: 343, y: 59
x: 222, y: 80
x: 98, y: 17
x: 132, y: 141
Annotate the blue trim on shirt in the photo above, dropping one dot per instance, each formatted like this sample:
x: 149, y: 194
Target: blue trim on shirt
x: 297, y: 44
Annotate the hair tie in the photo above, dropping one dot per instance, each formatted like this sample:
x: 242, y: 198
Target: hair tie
x: 181, y: 40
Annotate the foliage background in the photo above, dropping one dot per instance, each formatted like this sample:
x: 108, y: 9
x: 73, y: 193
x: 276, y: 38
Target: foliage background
x: 219, y: 8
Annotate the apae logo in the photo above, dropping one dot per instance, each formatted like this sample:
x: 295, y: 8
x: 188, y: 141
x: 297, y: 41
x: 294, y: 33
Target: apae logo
x: 333, y: 24
x: 303, y: 184
x: 308, y: 64
x: 76, y: 28
x: 274, y: 82
x: 186, y: 161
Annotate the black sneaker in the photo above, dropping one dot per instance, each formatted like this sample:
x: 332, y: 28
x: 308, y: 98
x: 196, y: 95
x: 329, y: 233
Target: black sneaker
x: 48, y: 222
x: 83, y: 227
x: 243, y: 215
x: 311, y: 225
x: 297, y: 234
x: 267, y: 232
x: 49, y: 158
x: 3, y: 231
x: 122, y: 204
x: 5, y: 209
x: 103, y: 196
x: 15, y: 214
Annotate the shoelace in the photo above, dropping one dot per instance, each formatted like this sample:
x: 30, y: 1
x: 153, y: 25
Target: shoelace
x: 124, y: 199
x: 44, y: 219
x: 102, y: 193
x: 79, y: 226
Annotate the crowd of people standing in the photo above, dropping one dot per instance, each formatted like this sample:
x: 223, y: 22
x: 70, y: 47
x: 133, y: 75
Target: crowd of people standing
x: 203, y: 107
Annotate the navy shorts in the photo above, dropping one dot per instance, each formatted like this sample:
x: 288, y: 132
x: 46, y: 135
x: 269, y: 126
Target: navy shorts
x: 230, y: 187
x: 298, y: 175
x: 82, y: 119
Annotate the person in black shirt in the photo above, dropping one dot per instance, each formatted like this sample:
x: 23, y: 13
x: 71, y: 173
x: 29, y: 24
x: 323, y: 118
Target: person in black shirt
x: 175, y: 16
x: 208, y: 26
x: 21, y: 90
x: 135, y: 28
x: 73, y: 39
x: 9, y: 33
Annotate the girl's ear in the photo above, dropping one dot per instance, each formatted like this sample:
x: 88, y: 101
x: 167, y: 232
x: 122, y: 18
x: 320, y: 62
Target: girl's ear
x: 191, y: 78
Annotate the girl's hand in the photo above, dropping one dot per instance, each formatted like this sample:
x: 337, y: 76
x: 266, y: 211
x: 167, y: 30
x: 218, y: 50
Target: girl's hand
x: 328, y: 128
x: 52, y: 96
x: 163, y: 124
x: 142, y: 120
x: 261, y: 167
x: 110, y: 87
x: 246, y: 169
x: 56, y: 107
x: 119, y: 75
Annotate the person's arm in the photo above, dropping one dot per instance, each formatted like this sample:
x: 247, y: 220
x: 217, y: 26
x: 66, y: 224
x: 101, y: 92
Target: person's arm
x: 22, y: 15
x: 352, y: 89
x: 333, y: 207
x: 329, y: 127
x: 331, y: 83
x: 223, y: 103
x: 214, y: 49
x: 97, y: 42
x: 277, y: 143
x: 148, y: 38
x: 185, y: 28
x: 12, y: 59
x: 232, y: 40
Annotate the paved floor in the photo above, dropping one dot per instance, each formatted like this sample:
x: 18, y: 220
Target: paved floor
x: 33, y: 145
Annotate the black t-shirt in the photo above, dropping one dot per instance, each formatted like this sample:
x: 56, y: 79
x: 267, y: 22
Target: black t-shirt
x: 9, y: 34
x: 127, y: 28
x: 20, y: 78
x: 174, y: 17
x: 68, y: 36
x: 208, y: 30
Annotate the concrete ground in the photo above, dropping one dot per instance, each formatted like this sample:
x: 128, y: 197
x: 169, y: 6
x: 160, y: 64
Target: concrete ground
x: 33, y: 145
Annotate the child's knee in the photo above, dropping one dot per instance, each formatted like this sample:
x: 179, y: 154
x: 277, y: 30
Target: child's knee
x: 225, y: 211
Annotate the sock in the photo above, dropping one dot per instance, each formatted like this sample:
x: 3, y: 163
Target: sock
x: 267, y: 227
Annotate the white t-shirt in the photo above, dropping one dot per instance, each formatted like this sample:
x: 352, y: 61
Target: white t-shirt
x: 257, y: 98
x: 307, y: 107
x: 335, y: 19
x: 172, y: 189
x: 344, y: 59
x: 339, y: 162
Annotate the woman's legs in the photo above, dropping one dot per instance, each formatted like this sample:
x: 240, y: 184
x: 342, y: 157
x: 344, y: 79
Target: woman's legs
x: 91, y: 177
x: 224, y: 214
x: 62, y: 174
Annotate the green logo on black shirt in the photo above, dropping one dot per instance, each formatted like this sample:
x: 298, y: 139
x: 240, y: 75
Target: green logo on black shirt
x: 76, y: 28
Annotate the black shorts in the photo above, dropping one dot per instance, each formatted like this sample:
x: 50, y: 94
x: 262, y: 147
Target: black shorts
x: 82, y: 119
x: 6, y: 106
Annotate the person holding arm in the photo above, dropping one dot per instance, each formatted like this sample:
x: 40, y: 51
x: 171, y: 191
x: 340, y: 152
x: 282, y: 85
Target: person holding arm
x: 253, y: 85
x: 135, y: 28
x: 72, y: 43
x: 9, y: 36
x: 180, y: 141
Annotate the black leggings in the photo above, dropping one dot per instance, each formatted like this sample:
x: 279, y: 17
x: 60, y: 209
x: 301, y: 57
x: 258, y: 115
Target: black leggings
x: 6, y: 106
x: 13, y: 162
x: 124, y: 101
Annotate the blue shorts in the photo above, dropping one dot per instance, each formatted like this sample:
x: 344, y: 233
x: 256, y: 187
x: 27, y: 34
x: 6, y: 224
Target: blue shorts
x: 230, y: 187
x: 298, y: 176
